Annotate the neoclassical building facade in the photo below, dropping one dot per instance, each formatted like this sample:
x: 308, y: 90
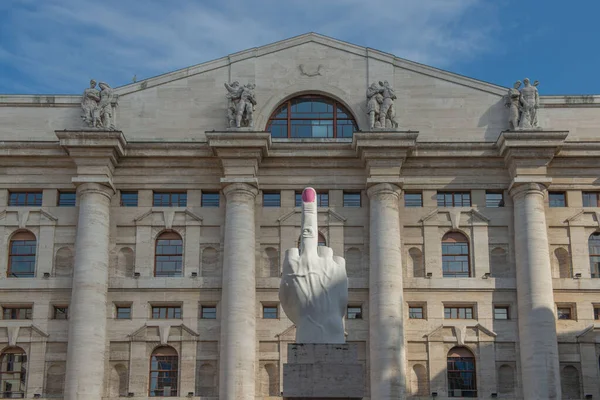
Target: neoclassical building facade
x: 140, y: 256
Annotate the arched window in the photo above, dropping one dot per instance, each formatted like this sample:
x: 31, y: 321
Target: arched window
x: 168, y: 259
x: 210, y: 262
x: 506, y: 379
x: 21, y: 255
x: 419, y: 380
x: 462, y: 380
x: 13, y: 373
x: 563, y: 263
x: 569, y: 381
x: 594, y: 243
x: 455, y: 255
x: 311, y: 116
x: 164, y: 371
x: 416, y: 259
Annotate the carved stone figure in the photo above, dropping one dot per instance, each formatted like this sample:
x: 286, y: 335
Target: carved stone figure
x: 513, y: 100
x: 89, y: 104
x: 314, y: 284
x: 242, y: 103
x: 98, y: 106
x: 380, y: 106
x: 529, y: 103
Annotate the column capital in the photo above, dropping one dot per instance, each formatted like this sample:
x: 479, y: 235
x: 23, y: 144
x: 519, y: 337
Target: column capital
x: 95, y: 153
x: 528, y: 153
x: 384, y: 190
x: 519, y: 189
x: 240, y: 191
x: 384, y: 153
x: 94, y: 187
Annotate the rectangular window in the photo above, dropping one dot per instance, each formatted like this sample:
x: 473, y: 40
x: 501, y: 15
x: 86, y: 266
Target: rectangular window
x: 170, y: 199
x: 270, y: 312
x: 354, y: 312
x: 17, y: 312
x: 29, y: 199
x: 322, y: 199
x: 591, y: 199
x: 415, y: 313
x: 208, y: 312
x: 564, y: 313
x: 494, y: 199
x: 454, y: 199
x: 458, y: 312
x: 129, y: 199
x: 210, y: 199
x: 66, y: 199
x: 351, y: 199
x: 61, y: 312
x: 413, y: 199
x: 271, y: 199
x: 166, y: 312
x: 557, y: 199
x: 596, y: 313
x: 501, y: 312
x: 123, y: 312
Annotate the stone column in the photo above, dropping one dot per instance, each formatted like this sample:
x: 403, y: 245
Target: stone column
x: 238, y: 300
x: 537, y: 321
x: 87, y: 310
x: 386, y: 326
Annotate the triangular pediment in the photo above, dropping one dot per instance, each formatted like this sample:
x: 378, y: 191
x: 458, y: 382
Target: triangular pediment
x: 326, y: 217
x: 455, y: 218
x: 168, y: 217
x: 24, y: 217
x: 311, y: 67
x: 460, y: 334
x: 584, y: 218
x: 163, y: 332
x: 591, y: 334
x: 288, y: 334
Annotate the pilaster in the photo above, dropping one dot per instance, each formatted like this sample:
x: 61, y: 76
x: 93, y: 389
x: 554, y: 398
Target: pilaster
x: 240, y: 153
x: 384, y: 153
x: 527, y: 155
x: 95, y: 153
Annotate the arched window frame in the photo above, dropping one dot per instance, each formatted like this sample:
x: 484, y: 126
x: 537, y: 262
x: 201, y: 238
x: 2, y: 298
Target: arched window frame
x: 448, y: 255
x: 22, y: 246
x: 13, y: 368
x: 461, y: 366
x: 164, y: 364
x: 340, y: 115
x: 594, y: 249
x: 164, y: 254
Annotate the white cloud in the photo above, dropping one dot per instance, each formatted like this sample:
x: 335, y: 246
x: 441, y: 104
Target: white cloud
x: 55, y: 46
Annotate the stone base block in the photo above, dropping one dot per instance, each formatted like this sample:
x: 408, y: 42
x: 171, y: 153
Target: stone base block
x: 323, y: 371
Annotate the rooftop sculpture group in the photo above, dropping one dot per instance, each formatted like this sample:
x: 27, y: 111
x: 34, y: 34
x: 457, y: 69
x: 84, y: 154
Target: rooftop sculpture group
x: 242, y: 103
x: 314, y: 284
x: 523, y: 104
x: 380, y: 106
x: 98, y: 106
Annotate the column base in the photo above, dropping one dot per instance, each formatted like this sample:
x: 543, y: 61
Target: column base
x: 323, y: 371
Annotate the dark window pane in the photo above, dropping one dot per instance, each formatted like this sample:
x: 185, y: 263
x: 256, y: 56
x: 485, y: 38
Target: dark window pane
x: 66, y: 199
x: 351, y: 199
x: 271, y: 199
x: 591, y: 199
x: 129, y: 199
x: 354, y: 312
x: 29, y: 199
x: 564, y: 313
x: 415, y: 312
x: 166, y: 312
x: 210, y: 199
x: 454, y: 199
x: 458, y: 312
x: 557, y: 199
x: 270, y: 312
x: 322, y: 199
x: 170, y: 199
x: 500, y: 312
x: 61, y: 312
x: 494, y: 199
x: 298, y: 199
x: 209, y: 312
x: 123, y: 312
x: 414, y: 200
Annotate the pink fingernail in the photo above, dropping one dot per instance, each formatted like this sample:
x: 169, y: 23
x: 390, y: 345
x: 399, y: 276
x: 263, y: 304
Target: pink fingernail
x: 309, y: 195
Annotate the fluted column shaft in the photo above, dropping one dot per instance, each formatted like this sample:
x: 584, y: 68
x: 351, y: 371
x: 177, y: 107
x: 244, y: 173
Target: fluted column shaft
x: 238, y: 313
x: 386, y: 327
x: 87, y: 309
x: 537, y: 321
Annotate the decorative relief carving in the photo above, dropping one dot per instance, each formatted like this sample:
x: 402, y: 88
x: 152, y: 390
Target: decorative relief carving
x: 99, y: 105
x: 523, y: 104
x: 380, y: 106
x: 242, y: 103
x: 310, y: 72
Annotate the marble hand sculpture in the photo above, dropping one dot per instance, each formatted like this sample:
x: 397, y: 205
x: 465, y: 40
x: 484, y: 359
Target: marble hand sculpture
x: 314, y: 285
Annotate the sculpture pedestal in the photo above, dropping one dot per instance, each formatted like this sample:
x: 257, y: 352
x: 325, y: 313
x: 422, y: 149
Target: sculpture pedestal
x: 323, y: 371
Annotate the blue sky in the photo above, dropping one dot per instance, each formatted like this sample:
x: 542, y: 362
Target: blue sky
x: 56, y: 46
